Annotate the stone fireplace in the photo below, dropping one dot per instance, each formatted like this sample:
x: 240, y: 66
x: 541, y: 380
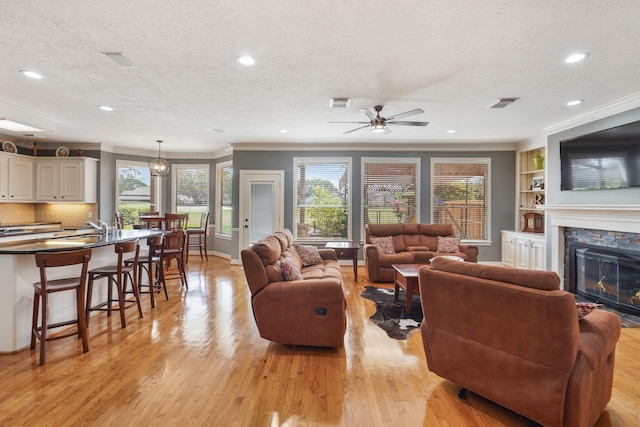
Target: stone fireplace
x: 596, y: 252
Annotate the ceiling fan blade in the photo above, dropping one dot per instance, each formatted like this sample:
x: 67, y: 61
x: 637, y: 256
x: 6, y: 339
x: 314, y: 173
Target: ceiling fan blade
x: 358, y: 123
x: 406, y: 114
x: 368, y: 113
x: 408, y: 123
x: 353, y: 130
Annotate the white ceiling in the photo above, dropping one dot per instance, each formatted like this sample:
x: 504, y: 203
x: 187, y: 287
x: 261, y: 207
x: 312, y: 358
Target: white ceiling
x: 452, y: 58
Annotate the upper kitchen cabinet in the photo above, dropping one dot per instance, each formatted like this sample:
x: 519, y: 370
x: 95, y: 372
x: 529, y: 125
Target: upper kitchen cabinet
x: 16, y: 178
x: 66, y: 180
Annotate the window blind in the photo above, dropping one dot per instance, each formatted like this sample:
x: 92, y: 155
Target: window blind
x: 390, y: 191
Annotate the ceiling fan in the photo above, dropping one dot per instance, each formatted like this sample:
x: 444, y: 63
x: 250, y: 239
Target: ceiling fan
x: 378, y: 123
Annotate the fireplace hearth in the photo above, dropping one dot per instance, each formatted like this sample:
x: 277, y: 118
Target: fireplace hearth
x: 604, y: 267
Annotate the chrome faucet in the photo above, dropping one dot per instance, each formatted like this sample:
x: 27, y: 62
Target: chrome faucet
x: 101, y: 226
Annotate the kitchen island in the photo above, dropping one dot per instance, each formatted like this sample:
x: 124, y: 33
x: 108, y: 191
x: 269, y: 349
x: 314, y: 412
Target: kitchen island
x: 19, y: 272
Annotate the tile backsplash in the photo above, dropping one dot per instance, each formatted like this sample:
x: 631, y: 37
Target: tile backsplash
x: 70, y: 215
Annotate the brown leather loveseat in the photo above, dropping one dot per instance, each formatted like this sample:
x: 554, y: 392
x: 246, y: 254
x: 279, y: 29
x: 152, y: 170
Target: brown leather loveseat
x: 513, y: 337
x: 412, y: 244
x: 310, y: 310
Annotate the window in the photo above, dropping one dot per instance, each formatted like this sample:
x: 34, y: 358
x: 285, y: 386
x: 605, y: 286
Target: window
x: 135, y: 191
x: 224, y: 175
x: 322, y: 199
x: 390, y: 190
x: 460, y: 196
x: 190, y: 191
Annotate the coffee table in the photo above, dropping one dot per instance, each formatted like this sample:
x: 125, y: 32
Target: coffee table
x: 406, y: 277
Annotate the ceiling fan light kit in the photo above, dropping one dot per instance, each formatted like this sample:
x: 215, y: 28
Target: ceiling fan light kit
x: 378, y: 124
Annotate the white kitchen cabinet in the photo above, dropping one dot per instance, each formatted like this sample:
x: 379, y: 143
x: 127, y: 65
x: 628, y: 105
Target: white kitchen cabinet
x: 16, y: 178
x: 66, y: 180
x: 524, y: 250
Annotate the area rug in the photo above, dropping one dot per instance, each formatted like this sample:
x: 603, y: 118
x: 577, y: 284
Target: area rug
x: 390, y: 315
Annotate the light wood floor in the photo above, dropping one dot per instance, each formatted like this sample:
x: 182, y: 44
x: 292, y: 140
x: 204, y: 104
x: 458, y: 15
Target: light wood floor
x: 198, y: 360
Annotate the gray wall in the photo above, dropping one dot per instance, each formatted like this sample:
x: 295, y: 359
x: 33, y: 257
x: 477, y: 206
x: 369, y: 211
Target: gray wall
x: 622, y: 196
x: 502, y: 186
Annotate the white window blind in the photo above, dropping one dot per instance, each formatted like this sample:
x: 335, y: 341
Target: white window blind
x: 135, y: 191
x: 460, y: 196
x: 321, y: 197
x: 390, y: 190
x: 191, y: 191
x: 224, y: 176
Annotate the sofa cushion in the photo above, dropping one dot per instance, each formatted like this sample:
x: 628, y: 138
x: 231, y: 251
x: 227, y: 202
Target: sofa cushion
x: 386, y: 260
x: 293, y: 254
x: 543, y: 280
x: 289, y: 269
x: 384, y: 244
x: 274, y: 272
x: 268, y: 250
x: 448, y: 245
x: 309, y: 254
x: 418, y: 248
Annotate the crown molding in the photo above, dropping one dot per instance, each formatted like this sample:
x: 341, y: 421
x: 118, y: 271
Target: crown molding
x: 401, y: 147
x: 615, y: 107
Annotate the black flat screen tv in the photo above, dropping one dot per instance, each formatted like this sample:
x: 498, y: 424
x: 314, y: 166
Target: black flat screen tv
x: 606, y: 159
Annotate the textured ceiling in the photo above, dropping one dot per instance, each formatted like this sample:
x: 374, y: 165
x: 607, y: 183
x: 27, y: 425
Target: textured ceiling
x: 452, y: 58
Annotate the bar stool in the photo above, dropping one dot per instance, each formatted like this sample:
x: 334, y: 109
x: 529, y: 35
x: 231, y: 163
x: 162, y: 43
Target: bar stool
x: 44, y: 287
x: 117, y: 275
x: 175, y: 221
x: 174, y: 248
x: 201, y: 233
x: 145, y: 264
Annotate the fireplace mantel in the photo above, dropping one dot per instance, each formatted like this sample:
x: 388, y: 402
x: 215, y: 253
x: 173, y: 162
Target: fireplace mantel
x: 599, y: 217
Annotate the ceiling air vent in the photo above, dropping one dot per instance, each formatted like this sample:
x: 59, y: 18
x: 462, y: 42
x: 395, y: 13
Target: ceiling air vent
x: 339, y: 102
x: 119, y: 59
x: 503, y: 102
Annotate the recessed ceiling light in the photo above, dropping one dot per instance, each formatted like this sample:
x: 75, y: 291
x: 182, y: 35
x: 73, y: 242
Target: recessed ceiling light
x: 575, y: 102
x: 575, y: 57
x: 245, y: 60
x: 105, y: 108
x: 451, y: 131
x: 31, y: 74
x: 283, y: 131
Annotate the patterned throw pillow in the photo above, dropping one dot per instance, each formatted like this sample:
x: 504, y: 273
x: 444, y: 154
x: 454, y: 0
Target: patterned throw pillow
x: 290, y: 270
x: 585, y: 308
x: 309, y: 254
x: 384, y: 244
x: 448, y: 245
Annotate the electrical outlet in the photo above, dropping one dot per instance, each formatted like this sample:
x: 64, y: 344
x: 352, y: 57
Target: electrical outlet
x: 90, y: 215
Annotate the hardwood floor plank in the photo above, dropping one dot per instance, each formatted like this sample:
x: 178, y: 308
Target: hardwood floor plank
x: 199, y: 360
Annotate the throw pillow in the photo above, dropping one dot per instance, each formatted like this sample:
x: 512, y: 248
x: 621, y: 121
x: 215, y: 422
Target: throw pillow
x: 585, y: 308
x: 448, y: 245
x: 309, y: 254
x: 290, y: 270
x: 384, y: 244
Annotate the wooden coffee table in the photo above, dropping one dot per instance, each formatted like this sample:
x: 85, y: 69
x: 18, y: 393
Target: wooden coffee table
x: 406, y: 277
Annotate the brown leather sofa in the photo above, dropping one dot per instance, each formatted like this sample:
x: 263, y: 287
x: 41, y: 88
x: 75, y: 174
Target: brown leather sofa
x: 310, y: 311
x: 513, y: 337
x: 412, y: 243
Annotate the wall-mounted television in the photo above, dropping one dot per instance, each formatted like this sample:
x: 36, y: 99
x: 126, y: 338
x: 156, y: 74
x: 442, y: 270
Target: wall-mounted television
x: 606, y: 159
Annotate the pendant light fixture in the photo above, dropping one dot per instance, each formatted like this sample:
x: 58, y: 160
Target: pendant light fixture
x: 159, y: 166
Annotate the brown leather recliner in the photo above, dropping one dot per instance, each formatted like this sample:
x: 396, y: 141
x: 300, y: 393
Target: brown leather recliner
x: 513, y: 337
x: 311, y: 311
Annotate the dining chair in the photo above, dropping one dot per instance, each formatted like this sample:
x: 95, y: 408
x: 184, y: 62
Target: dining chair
x: 150, y: 224
x: 119, y: 222
x: 201, y: 233
x: 175, y: 221
x: 173, y: 247
x: 42, y: 289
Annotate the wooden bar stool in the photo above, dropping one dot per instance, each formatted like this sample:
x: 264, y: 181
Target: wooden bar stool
x: 175, y: 221
x: 174, y: 247
x: 44, y: 287
x: 201, y: 234
x: 146, y: 263
x: 117, y: 275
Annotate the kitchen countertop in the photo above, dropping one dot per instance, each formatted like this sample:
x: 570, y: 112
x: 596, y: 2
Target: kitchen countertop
x: 73, y: 240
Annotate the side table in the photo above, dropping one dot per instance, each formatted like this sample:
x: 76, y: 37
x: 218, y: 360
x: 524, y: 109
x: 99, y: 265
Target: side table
x: 346, y: 250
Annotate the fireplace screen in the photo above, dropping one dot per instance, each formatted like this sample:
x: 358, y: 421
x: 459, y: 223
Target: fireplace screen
x: 608, y: 277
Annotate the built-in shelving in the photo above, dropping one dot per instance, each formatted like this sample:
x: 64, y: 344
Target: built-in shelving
x: 531, y: 191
